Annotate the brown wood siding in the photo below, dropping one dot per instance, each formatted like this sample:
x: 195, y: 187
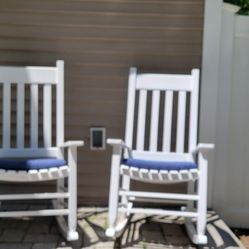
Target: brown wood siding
x: 99, y: 40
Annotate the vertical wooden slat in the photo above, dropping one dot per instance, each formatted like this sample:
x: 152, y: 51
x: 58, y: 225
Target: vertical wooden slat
x: 20, y: 115
x: 60, y: 104
x: 154, y: 120
x: 47, y: 115
x: 130, y: 106
x: 167, y: 122
x: 6, y: 114
x: 193, y: 116
x: 181, y: 113
x: 141, y: 119
x: 34, y: 116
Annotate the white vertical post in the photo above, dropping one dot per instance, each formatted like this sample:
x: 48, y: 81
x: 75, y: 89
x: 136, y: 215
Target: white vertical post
x: 141, y: 119
x: 60, y: 103
x: 181, y: 122
x: 60, y: 116
x: 72, y: 190
x: 224, y: 106
x: 154, y: 120
x: 130, y: 106
x: 34, y: 116
x: 114, y: 189
x: 167, y: 123
x: 6, y: 114
x: 47, y: 115
x: 20, y: 115
x: 210, y: 78
x: 194, y: 103
x: 202, y: 193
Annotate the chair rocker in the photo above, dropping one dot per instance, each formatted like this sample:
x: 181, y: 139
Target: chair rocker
x: 33, y: 104
x: 161, y: 147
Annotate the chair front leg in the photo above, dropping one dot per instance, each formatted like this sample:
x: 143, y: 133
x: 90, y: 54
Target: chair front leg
x: 202, y: 202
x: 114, y: 191
x: 72, y: 189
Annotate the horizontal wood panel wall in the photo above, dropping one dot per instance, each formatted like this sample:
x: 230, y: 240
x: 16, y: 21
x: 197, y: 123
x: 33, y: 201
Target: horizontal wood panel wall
x: 99, y: 40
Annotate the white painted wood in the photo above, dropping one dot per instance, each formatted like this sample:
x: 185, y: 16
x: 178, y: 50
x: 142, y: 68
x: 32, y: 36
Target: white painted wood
x: 34, y: 77
x: 34, y: 175
x: 154, y: 120
x: 37, y: 196
x: 161, y: 176
x: 167, y: 122
x: 181, y: 114
x: 168, y: 84
x: 113, y: 196
x: 141, y: 119
x: 164, y: 82
x: 6, y: 115
x: 60, y: 103
x: 34, y: 116
x: 158, y: 212
x: 154, y: 175
x: 20, y: 115
x: 130, y: 106
x: 47, y: 115
x: 194, y: 102
x: 210, y: 82
x: 231, y: 160
x: 45, y: 212
x: 159, y: 195
x: 29, y: 75
x: 72, y: 189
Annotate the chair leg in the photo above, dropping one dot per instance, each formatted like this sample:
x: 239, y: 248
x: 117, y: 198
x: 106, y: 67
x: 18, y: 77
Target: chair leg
x: 113, y: 193
x: 191, y: 190
x: 72, y: 234
x: 126, y: 187
x: 202, y: 202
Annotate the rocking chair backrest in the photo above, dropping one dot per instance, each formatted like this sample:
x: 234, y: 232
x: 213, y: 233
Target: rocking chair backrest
x: 163, y: 100
x: 27, y: 104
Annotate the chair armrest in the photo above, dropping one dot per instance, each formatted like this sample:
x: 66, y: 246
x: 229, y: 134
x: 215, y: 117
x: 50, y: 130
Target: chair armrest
x: 72, y: 143
x: 203, y: 149
x: 115, y: 142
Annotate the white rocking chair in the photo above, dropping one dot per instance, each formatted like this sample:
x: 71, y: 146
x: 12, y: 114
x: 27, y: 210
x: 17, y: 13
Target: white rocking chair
x: 157, y: 159
x: 31, y: 154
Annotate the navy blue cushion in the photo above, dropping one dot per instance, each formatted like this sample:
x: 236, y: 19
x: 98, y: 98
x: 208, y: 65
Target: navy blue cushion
x: 159, y: 165
x: 28, y: 164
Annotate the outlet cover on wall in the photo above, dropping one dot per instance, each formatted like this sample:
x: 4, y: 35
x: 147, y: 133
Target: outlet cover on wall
x: 97, y: 138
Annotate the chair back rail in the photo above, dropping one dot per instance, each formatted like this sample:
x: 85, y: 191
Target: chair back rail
x: 28, y: 96
x: 156, y: 102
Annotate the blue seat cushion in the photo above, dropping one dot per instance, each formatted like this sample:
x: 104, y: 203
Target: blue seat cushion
x: 33, y: 163
x: 159, y: 165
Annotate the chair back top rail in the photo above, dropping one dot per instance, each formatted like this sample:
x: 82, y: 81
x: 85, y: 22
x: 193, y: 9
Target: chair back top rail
x: 28, y: 75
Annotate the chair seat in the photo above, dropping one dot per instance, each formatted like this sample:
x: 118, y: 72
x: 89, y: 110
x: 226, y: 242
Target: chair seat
x: 31, y: 164
x: 159, y: 165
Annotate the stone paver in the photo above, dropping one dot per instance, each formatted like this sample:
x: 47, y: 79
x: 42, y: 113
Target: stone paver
x: 155, y: 232
x: 12, y: 235
x: 16, y: 245
x: 41, y: 238
x: 44, y: 245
